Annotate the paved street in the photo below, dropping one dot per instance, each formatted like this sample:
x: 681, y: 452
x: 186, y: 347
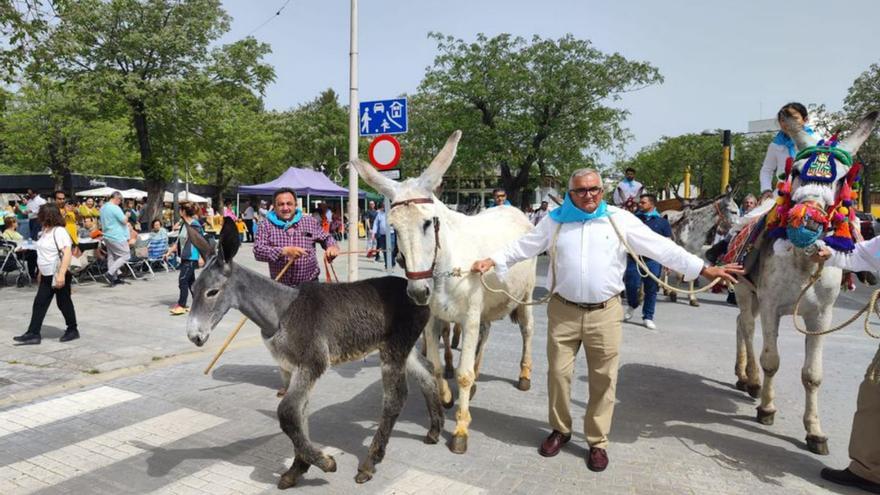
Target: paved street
x: 127, y: 409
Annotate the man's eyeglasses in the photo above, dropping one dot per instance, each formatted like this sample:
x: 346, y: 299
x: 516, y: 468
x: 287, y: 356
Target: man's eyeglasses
x: 499, y: 196
x: 583, y: 191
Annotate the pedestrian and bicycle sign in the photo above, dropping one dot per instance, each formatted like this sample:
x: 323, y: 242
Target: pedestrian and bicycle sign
x: 382, y: 117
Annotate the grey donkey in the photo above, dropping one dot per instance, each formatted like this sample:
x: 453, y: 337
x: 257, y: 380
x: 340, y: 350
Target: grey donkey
x: 305, y: 338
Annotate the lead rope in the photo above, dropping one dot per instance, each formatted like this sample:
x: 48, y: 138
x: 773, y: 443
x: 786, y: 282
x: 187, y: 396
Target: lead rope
x: 552, y: 271
x: 871, y: 306
x: 640, y: 263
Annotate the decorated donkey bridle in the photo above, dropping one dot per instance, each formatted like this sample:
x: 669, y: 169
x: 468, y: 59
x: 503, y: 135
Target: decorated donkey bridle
x: 429, y: 273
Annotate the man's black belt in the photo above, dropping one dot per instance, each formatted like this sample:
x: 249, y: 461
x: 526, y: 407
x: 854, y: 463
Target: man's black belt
x: 585, y: 306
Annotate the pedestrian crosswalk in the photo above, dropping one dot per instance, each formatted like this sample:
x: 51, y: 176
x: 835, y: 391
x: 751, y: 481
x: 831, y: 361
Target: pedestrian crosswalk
x: 50, y: 411
x: 33, y: 459
x: 88, y: 455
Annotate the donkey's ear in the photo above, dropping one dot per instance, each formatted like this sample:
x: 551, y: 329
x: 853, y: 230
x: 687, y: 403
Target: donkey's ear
x: 863, y: 130
x: 372, y: 177
x: 199, y: 241
x: 229, y: 240
x: 433, y: 175
x: 798, y: 134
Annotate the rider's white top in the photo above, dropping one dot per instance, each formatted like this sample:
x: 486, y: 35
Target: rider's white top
x: 865, y: 257
x: 590, y: 259
x: 626, y: 190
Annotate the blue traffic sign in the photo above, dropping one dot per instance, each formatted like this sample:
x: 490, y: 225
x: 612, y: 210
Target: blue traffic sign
x: 382, y: 117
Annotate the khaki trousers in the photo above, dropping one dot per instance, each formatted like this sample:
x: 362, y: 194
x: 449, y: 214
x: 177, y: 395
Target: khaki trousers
x: 864, y: 442
x: 600, y: 333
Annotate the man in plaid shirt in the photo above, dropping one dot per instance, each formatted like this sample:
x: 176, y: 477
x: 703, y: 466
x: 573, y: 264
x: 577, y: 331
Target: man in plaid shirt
x: 286, y: 234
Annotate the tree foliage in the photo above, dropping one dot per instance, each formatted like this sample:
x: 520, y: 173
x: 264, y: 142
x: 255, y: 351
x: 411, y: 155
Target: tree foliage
x: 525, y: 106
x: 863, y: 97
x: 151, y: 56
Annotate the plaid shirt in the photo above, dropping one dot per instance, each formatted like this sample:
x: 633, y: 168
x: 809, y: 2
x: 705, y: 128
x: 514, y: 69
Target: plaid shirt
x: 305, y: 234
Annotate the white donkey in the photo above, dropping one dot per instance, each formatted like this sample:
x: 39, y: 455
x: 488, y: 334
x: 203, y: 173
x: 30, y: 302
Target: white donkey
x: 781, y: 272
x: 434, y: 241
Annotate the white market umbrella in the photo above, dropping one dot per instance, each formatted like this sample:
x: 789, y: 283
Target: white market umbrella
x: 184, y: 196
x: 134, y: 194
x: 99, y: 192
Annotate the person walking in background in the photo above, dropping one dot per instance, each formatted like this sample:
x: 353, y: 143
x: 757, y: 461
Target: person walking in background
x: 54, y: 252
x: 248, y: 217
x: 228, y: 211
x: 34, y: 202
x: 633, y: 278
x: 190, y: 258
x: 114, y: 226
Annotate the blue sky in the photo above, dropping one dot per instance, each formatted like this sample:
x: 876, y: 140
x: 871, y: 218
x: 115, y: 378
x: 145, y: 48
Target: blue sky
x: 724, y: 63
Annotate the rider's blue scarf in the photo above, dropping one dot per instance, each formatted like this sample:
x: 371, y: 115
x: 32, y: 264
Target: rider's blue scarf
x: 568, y: 212
x: 649, y: 214
x: 281, y: 224
x: 782, y: 139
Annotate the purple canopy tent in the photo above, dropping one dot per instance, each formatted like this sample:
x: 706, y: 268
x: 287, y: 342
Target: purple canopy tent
x: 304, y: 181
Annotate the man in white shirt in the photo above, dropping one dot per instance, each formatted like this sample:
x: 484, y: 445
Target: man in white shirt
x: 585, y: 309
x: 248, y: 217
x: 33, y: 207
x: 382, y: 235
x: 864, y: 441
x: 628, y: 190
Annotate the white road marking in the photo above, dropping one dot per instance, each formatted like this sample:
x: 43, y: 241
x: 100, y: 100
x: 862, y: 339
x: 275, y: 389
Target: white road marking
x: 413, y: 481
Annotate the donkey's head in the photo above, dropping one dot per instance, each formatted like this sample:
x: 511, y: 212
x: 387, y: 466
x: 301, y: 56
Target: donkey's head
x: 818, y: 173
x: 211, y: 297
x: 726, y: 210
x: 414, y: 217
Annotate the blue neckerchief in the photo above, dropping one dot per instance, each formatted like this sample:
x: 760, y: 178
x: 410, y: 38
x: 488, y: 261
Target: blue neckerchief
x: 506, y: 203
x: 281, y: 224
x: 782, y: 139
x: 568, y: 212
x: 628, y: 180
x: 652, y: 213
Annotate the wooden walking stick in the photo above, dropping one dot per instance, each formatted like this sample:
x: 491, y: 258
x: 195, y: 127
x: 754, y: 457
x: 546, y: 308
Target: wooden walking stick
x: 241, y: 323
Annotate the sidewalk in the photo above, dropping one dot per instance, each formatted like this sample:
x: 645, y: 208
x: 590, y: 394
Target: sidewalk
x: 127, y: 327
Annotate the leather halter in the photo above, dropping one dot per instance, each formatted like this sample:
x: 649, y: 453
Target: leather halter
x: 430, y: 272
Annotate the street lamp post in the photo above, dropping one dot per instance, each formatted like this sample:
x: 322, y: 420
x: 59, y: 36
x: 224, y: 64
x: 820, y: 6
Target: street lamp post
x: 353, y: 147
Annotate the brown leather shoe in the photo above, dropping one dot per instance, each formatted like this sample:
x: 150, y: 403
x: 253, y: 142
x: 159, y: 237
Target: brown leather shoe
x: 553, y: 444
x: 848, y: 478
x: 597, y: 460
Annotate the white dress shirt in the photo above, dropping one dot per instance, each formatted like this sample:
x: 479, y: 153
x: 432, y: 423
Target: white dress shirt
x: 627, y: 190
x: 865, y: 257
x: 33, y: 206
x: 590, y: 260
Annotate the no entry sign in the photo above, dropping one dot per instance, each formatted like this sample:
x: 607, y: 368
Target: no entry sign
x: 384, y: 152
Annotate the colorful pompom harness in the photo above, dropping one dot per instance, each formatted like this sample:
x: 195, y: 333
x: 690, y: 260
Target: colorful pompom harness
x: 798, y: 222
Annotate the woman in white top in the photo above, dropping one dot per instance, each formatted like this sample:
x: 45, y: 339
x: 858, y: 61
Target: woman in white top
x: 54, y: 248
x: 782, y: 147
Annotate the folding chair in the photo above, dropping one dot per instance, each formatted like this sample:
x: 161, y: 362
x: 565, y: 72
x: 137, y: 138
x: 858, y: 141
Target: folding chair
x: 138, y: 259
x: 156, y: 250
x: 82, y: 265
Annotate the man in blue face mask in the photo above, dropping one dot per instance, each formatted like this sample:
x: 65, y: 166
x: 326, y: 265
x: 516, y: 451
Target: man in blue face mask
x: 628, y: 190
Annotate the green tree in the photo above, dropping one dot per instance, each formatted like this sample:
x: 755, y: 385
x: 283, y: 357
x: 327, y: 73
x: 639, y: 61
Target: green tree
x: 22, y: 23
x: 864, y: 96
x: 661, y: 165
x: 315, y: 134
x: 51, y: 126
x: 526, y: 105
x: 153, y: 56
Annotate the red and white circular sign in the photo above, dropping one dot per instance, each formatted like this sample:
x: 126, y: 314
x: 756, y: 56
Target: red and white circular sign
x: 384, y: 152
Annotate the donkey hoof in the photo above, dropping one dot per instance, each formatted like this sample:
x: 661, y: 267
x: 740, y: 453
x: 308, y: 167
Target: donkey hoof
x: 363, y: 477
x: 673, y: 297
x: 459, y: 444
x: 741, y: 385
x: 766, y: 417
x: 817, y: 445
x: 327, y: 464
x: 694, y: 303
x: 754, y: 391
x: 449, y: 373
x: 287, y: 480
x: 432, y: 437
x: 524, y: 384
x: 448, y: 405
